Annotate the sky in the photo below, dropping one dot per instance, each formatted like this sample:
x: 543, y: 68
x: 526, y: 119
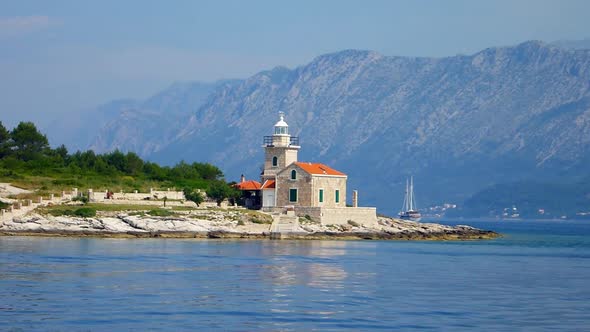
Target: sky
x: 61, y: 57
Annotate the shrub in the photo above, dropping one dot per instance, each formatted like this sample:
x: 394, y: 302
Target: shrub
x: 60, y: 212
x: 83, y: 199
x: 241, y: 223
x: 160, y: 213
x: 257, y: 220
x: 85, y: 212
x: 354, y: 223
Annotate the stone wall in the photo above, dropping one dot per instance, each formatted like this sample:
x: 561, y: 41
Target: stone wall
x: 285, y: 156
x: 100, y: 196
x: 308, y: 188
x: 329, y: 184
x: 366, y: 216
x: 303, y: 185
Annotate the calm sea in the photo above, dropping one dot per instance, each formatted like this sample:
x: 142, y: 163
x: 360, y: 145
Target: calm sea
x: 535, y: 278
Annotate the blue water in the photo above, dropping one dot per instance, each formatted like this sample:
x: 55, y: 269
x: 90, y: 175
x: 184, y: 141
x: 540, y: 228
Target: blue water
x: 535, y: 278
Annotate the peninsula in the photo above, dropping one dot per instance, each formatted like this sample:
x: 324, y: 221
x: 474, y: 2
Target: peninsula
x: 130, y: 215
x: 299, y: 200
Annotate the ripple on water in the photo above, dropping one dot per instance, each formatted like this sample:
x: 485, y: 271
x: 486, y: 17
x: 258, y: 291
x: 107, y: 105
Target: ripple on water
x: 523, y: 281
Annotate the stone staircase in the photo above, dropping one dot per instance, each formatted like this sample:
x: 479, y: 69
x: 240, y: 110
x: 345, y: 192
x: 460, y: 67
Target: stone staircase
x: 284, y: 224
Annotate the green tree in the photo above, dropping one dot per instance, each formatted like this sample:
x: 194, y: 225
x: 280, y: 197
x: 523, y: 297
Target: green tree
x: 182, y: 170
x: 117, y: 159
x: 4, y: 141
x: 193, y: 195
x: 134, y: 164
x: 62, y: 151
x: 207, y: 171
x: 28, y: 143
x: 234, y: 195
x: 218, y: 190
x: 154, y: 171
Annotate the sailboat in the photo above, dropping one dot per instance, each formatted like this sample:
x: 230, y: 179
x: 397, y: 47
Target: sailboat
x: 409, y: 210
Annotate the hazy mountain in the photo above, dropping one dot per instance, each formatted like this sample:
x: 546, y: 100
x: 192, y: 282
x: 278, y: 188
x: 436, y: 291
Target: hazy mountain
x: 78, y: 130
x: 458, y: 124
x: 533, y: 199
x: 583, y: 44
x: 134, y: 125
x: 148, y: 126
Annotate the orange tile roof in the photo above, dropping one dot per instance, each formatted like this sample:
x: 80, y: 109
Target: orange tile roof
x: 318, y: 169
x: 268, y: 184
x: 248, y: 185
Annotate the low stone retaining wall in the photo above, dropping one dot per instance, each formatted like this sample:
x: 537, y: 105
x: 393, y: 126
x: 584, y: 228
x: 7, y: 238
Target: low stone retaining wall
x: 148, y: 202
x: 366, y: 216
x: 100, y: 196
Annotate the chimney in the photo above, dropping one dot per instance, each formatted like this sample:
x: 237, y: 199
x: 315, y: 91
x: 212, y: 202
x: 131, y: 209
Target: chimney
x: 242, y: 179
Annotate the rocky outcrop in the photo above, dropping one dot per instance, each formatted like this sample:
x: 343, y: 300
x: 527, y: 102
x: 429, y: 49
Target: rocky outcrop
x: 226, y: 224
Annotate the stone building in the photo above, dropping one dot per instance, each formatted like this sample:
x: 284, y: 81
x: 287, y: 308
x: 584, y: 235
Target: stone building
x: 310, y: 189
x: 310, y: 184
x: 288, y: 182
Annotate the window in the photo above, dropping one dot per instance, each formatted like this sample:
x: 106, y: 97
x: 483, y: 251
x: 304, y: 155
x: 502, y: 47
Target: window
x: 275, y: 161
x: 293, y: 175
x: 292, y: 195
x: 281, y: 131
x: 321, y: 195
x: 337, y: 195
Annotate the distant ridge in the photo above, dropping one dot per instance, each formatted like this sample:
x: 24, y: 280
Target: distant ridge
x: 583, y: 44
x: 458, y: 124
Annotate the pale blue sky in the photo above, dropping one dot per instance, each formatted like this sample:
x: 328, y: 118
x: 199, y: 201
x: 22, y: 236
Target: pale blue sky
x: 58, y: 57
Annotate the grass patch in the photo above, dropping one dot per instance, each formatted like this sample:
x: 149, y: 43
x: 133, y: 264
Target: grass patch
x: 34, y: 195
x: 133, y: 208
x: 251, y: 215
x: 83, y: 212
x: 160, y: 213
x: 97, y: 207
x: 260, y: 221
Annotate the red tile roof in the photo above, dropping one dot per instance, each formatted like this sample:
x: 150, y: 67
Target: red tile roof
x: 248, y: 185
x: 318, y: 169
x: 268, y: 184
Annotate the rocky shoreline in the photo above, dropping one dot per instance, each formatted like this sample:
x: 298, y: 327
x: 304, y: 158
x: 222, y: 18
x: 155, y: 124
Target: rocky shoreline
x: 230, y: 224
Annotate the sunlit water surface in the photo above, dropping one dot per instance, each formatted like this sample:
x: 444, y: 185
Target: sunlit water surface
x: 535, y: 278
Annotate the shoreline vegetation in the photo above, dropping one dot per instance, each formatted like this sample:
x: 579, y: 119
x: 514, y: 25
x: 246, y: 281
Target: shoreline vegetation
x: 34, y: 172
x: 27, y: 161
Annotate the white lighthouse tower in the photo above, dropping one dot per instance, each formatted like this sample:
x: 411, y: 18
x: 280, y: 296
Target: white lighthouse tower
x: 280, y: 149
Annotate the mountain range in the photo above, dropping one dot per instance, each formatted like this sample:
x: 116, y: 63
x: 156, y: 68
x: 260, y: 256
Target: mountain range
x: 458, y: 124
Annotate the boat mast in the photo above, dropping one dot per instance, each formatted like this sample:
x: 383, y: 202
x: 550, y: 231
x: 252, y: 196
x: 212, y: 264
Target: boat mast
x: 412, y: 198
x: 405, y: 205
x: 411, y: 195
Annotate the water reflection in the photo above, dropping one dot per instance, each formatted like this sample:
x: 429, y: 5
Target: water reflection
x: 65, y: 284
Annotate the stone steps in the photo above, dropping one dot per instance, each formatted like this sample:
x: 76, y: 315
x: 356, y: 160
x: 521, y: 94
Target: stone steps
x: 284, y: 224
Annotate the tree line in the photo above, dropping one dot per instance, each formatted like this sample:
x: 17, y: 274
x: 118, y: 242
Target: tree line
x: 25, y: 151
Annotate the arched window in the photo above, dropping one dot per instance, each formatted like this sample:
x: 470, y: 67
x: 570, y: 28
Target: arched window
x: 293, y: 175
x: 275, y: 161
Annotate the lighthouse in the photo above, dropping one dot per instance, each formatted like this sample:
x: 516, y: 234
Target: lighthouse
x: 280, y: 150
x: 314, y: 190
